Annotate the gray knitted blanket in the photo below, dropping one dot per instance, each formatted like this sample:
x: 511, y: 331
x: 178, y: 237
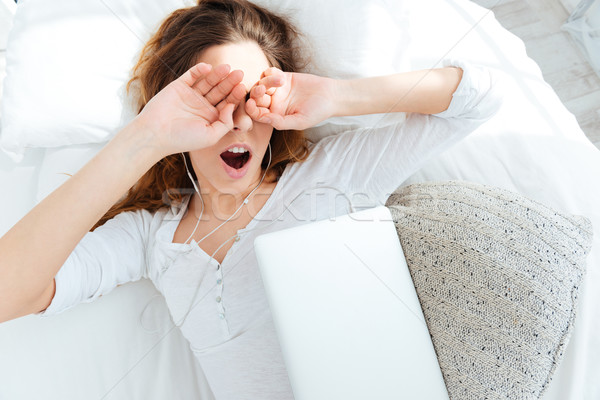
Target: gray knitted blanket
x: 497, y: 276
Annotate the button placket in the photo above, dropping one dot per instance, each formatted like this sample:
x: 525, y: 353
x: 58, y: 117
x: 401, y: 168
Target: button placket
x: 221, y: 312
x: 219, y: 299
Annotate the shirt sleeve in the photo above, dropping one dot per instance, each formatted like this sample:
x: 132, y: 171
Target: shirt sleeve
x: 113, y: 254
x: 373, y: 162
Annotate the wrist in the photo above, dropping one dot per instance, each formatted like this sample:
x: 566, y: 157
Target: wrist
x: 357, y: 97
x: 343, y: 94
x: 139, y: 143
x: 423, y: 91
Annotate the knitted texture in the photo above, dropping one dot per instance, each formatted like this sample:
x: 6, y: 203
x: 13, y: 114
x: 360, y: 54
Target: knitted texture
x: 497, y: 276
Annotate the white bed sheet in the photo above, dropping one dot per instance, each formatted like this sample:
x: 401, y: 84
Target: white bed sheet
x: 549, y: 170
x: 533, y: 146
x: 99, y: 350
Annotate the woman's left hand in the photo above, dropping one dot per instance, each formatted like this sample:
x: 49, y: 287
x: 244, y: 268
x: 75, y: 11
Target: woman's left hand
x: 290, y: 100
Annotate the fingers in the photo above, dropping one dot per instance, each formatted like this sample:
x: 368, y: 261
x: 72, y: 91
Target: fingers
x: 259, y: 100
x: 216, y: 84
x: 198, y: 71
x: 220, y: 87
x: 271, y: 83
x: 258, y: 103
x: 224, y: 124
x: 272, y: 78
x: 235, y: 97
x: 259, y: 94
x: 211, y: 79
x: 255, y: 112
x: 224, y: 87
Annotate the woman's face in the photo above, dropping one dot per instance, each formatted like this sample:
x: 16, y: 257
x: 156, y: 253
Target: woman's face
x: 218, y: 169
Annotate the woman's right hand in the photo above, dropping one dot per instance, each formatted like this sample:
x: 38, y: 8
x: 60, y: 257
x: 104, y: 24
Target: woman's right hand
x: 195, y: 110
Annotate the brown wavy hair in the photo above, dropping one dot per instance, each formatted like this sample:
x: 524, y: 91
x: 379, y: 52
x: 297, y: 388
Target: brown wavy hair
x: 174, y: 49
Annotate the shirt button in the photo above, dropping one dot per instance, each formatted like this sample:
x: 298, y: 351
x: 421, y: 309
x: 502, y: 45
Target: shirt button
x: 218, y: 299
x: 222, y: 316
x: 219, y: 281
x: 237, y: 238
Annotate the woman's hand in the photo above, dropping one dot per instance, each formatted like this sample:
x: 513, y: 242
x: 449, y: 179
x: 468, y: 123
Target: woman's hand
x: 288, y: 100
x: 195, y: 110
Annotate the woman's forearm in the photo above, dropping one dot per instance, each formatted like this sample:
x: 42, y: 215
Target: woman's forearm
x: 425, y: 92
x: 32, y: 251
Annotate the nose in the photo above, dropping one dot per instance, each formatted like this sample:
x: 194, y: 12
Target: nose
x: 241, y: 120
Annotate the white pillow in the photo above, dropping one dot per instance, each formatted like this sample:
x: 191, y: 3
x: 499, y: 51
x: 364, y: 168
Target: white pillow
x: 68, y: 62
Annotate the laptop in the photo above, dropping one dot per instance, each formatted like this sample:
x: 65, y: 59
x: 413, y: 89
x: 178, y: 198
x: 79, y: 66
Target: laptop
x: 346, y: 312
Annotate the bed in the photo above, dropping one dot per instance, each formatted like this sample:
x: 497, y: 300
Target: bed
x: 67, y: 63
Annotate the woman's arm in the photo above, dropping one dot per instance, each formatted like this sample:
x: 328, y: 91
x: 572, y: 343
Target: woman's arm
x: 190, y: 113
x: 299, y: 101
x: 371, y: 162
x: 32, y: 252
x: 423, y: 92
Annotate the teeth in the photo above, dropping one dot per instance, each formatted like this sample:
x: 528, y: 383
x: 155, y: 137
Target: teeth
x: 238, y: 150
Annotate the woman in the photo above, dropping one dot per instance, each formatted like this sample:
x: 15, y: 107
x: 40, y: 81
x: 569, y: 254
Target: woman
x: 216, y: 157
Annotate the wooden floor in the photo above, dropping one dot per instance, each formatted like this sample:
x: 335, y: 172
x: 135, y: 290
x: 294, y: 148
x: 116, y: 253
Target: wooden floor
x: 538, y: 23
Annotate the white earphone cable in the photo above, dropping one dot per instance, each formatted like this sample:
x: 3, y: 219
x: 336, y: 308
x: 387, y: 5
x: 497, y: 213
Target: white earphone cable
x: 198, y: 191
x: 222, y: 244
x: 351, y: 207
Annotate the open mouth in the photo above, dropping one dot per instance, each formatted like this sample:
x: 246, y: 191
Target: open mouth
x: 235, y: 160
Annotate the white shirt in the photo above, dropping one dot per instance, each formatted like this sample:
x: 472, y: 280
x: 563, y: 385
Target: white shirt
x: 230, y: 328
